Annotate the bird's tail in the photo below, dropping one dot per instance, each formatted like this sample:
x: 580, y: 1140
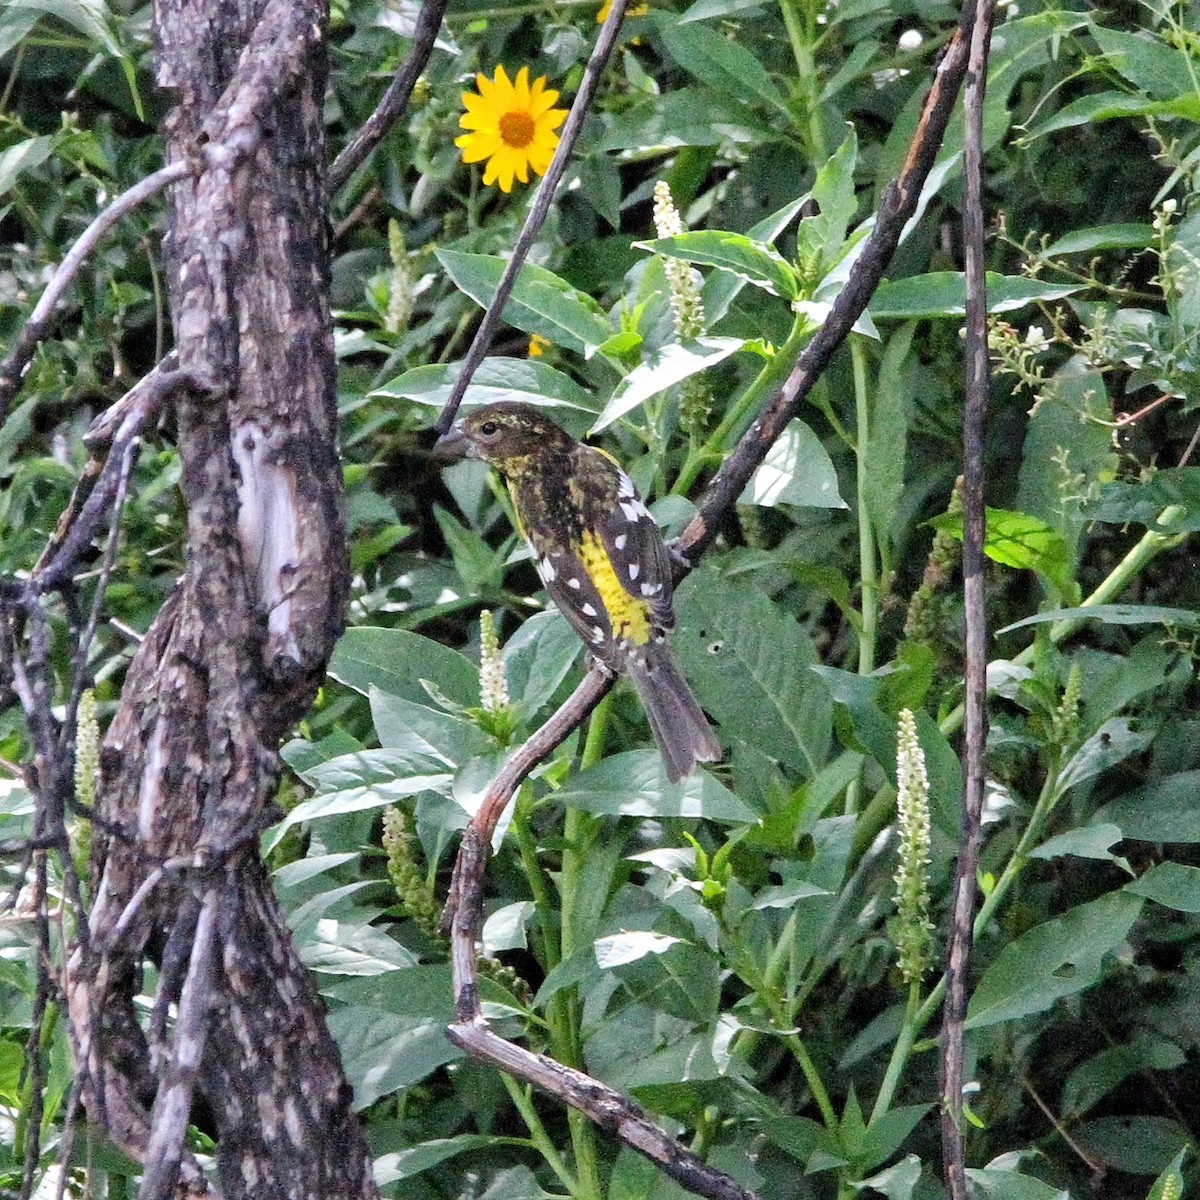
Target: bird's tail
x: 679, y: 726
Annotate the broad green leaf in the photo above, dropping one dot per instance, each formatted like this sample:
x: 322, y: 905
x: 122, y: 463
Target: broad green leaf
x: 382, y: 1053
x: 350, y: 948
x: 1102, y: 237
x: 1107, y: 106
x: 1146, y: 502
x: 1116, y: 740
x: 746, y: 658
x: 718, y: 61
x: 887, y: 438
x: 525, y: 379
x: 1091, y: 841
x: 541, y: 302
x: 1171, y: 884
x: 635, y: 784
x: 358, y: 782
x: 672, y: 364
x: 15, y: 27
x: 396, y: 660
x: 754, y: 262
x: 618, y: 949
x: 993, y: 1184
x: 884, y: 1136
x: 1018, y: 540
x: 24, y: 156
x: 797, y: 470
x: 1112, y: 614
x: 897, y: 1182
x: 538, y: 657
x: 1066, y: 439
x: 821, y: 239
x: 1162, y: 811
x: 1137, y: 1145
x: 1150, y: 63
x: 404, y: 1164
x: 424, y: 736
x: 944, y: 294
x: 1091, y: 1081
x: 1058, y: 958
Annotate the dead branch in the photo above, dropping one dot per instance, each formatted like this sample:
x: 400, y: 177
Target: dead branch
x: 978, y: 381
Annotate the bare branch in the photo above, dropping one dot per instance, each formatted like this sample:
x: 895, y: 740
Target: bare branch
x: 975, y: 639
x: 897, y: 205
x: 580, y: 107
x: 395, y: 99
x: 13, y: 367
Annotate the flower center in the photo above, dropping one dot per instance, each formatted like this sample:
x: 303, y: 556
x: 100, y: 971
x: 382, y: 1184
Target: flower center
x: 517, y: 129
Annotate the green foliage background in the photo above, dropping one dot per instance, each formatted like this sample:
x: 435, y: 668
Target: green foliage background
x: 722, y: 949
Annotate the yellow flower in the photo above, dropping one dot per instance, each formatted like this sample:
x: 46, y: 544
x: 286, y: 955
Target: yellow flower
x: 538, y: 345
x: 511, y: 125
x: 634, y: 10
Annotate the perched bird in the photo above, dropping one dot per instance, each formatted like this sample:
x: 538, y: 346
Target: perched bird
x: 601, y: 558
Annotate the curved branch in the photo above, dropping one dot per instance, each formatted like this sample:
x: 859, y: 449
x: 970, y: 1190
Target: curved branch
x: 13, y: 367
x: 395, y: 100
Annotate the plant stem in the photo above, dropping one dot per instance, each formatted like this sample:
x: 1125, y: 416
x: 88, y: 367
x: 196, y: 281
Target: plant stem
x: 900, y: 1053
x: 523, y: 1101
x: 771, y: 377
x: 806, y: 74
x: 867, y: 560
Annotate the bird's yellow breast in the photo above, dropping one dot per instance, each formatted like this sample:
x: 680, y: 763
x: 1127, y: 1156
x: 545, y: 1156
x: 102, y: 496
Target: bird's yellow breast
x: 629, y: 616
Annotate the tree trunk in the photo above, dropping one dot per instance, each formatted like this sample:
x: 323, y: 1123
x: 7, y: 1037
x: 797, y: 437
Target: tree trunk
x: 237, y: 653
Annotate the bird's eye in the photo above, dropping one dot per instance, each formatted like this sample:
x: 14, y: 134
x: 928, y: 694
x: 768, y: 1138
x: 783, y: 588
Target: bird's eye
x: 488, y: 428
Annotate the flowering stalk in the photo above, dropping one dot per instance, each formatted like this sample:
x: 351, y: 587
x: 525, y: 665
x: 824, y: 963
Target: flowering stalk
x: 400, y: 291
x: 912, y: 931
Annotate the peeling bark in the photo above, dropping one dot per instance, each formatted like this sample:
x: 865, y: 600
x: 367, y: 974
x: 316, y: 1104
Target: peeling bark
x: 235, y: 656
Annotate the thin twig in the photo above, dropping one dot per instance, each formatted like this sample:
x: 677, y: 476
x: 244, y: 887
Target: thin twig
x: 975, y: 637
x: 395, y: 100
x: 580, y: 107
x: 38, y: 324
x: 169, y: 1118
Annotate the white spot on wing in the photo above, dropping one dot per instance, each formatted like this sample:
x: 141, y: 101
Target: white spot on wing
x: 625, y: 486
x: 574, y: 583
x: 620, y: 540
x: 597, y: 635
x: 634, y: 510
x: 588, y: 610
x: 634, y: 570
x: 546, y: 569
x: 648, y: 589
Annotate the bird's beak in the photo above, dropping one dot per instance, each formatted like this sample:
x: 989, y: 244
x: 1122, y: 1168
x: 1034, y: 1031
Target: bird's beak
x: 453, y: 444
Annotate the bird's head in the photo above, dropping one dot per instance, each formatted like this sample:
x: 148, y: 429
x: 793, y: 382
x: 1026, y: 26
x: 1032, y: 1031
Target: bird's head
x: 504, y: 435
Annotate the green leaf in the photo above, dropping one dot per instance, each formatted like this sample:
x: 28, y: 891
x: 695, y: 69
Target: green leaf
x: 541, y: 302
x: 24, y: 156
x: 350, y: 948
x: 382, y: 1053
x: 1170, y: 1181
x: 1092, y: 1080
x: 634, y: 784
x: 887, y: 438
x: 1162, y: 811
x: 1107, y: 106
x: 1091, y: 841
x: 1113, y: 614
x: 1145, y: 502
x: 525, y: 379
x: 1153, y: 66
x: 994, y: 1184
x: 885, y: 1135
x: 797, y: 470
x: 821, y: 239
x: 538, y: 657
x: 404, y: 1164
x: 358, y: 782
x: 396, y: 660
x: 746, y: 658
x: 754, y: 262
x: 1017, y: 539
x: 1057, y: 958
x: 718, y: 61
x: 426, y: 737
x: 619, y: 949
x: 1116, y: 740
x: 672, y: 364
x: 1170, y: 884
x: 1137, y: 1145
x: 944, y: 294
x: 1102, y: 237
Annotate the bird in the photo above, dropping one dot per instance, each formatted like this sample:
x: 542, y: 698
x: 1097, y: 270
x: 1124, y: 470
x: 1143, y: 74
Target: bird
x: 601, y: 558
